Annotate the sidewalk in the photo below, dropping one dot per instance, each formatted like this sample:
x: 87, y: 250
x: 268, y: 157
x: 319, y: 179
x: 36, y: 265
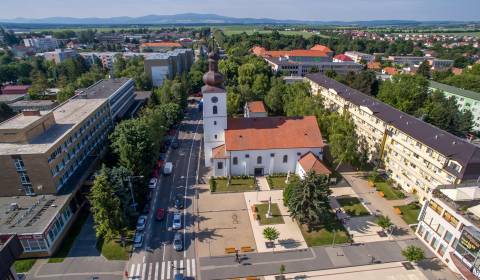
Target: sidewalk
x: 311, y: 259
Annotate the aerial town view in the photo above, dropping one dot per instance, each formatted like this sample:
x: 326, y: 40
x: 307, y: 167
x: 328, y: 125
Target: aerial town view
x: 252, y: 140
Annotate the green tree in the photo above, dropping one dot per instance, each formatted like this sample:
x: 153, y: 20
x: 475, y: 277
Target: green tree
x: 274, y: 97
x: 424, y: 70
x: 271, y: 234
x: 39, y: 85
x: 233, y: 103
x: 106, y: 207
x: 5, y: 112
x: 342, y: 137
x: 413, y: 253
x: 309, y: 201
x: 384, y: 222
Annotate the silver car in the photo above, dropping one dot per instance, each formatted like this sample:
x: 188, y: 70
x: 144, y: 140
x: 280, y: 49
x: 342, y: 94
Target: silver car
x: 177, y: 220
x: 177, y: 242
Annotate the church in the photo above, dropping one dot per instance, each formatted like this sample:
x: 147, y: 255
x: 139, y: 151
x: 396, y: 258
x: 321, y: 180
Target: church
x: 255, y: 144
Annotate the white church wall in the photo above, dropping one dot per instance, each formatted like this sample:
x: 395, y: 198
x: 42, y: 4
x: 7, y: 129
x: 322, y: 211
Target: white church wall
x: 269, y: 164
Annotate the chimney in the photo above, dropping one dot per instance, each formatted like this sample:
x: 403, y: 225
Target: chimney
x: 30, y: 113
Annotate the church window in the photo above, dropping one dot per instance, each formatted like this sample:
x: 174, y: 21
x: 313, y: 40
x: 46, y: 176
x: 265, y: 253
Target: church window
x: 259, y: 160
x: 235, y: 161
x: 214, y: 99
x: 219, y: 165
x: 285, y: 159
x: 215, y: 136
x: 215, y: 110
x: 272, y: 155
x: 214, y: 122
x: 247, y: 155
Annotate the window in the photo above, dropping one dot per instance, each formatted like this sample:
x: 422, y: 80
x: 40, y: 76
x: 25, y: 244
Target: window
x: 219, y: 165
x: 235, y: 161
x: 215, y: 110
x: 214, y: 99
x: 285, y: 159
x: 448, y: 237
x: 214, y: 122
x: 215, y: 136
x: 24, y: 178
x: 247, y: 155
x: 259, y: 160
x: 272, y: 155
x: 19, y: 165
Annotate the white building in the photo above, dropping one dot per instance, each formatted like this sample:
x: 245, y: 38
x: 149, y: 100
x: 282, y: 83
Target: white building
x: 449, y: 224
x: 45, y: 44
x: 254, y: 109
x: 358, y: 56
x: 253, y: 145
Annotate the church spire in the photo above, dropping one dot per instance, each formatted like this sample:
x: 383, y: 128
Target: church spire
x: 213, y: 78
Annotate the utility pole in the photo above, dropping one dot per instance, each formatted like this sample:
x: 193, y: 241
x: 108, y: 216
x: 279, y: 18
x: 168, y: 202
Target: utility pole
x: 129, y: 179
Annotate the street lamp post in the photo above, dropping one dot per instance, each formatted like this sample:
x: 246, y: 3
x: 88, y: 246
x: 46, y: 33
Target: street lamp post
x: 129, y: 179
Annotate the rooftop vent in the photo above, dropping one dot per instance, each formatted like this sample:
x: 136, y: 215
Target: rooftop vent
x: 29, y: 113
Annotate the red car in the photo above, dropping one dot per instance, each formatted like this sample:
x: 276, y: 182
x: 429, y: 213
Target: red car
x: 160, y: 214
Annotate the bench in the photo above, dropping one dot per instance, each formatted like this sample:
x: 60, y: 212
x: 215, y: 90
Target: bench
x: 246, y: 249
x: 230, y: 250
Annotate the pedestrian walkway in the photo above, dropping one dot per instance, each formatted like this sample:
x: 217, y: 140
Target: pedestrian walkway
x: 162, y: 270
x: 263, y: 183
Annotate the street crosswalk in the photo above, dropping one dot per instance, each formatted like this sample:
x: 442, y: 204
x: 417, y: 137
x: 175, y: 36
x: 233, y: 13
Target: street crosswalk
x: 162, y: 270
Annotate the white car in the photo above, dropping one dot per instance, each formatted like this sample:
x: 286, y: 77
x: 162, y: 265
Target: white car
x: 168, y: 168
x: 138, y: 240
x: 177, y: 242
x: 141, y: 222
x: 177, y: 220
x: 153, y: 183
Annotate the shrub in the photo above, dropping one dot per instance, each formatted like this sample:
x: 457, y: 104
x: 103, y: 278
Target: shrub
x: 213, y: 184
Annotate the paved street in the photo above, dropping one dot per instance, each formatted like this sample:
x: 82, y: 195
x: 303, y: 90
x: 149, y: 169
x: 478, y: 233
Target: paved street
x: 157, y: 259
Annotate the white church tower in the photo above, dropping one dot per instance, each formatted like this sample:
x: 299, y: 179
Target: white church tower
x: 214, y: 108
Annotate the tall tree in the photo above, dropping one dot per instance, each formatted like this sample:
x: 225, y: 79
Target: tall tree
x: 5, y: 112
x: 424, y: 70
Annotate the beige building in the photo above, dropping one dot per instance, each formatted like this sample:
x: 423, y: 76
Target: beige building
x: 417, y: 155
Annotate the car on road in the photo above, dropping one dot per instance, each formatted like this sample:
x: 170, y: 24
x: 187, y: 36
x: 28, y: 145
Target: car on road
x: 177, y: 242
x: 138, y: 240
x: 153, y: 183
x: 168, y: 168
x: 179, y: 276
x: 178, y: 203
x: 177, y: 220
x: 160, y: 214
x: 141, y: 222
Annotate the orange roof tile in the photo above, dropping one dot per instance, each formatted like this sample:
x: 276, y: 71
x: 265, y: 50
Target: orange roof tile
x: 390, y: 70
x: 311, y: 53
x: 322, y: 48
x: 219, y: 152
x: 272, y: 133
x: 342, y: 57
x: 162, y: 44
x: 256, y: 107
x: 374, y: 65
x: 310, y: 162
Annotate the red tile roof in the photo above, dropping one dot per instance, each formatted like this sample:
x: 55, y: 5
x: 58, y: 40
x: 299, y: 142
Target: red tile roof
x: 162, y: 44
x: 322, y: 48
x: 374, y: 65
x: 256, y: 107
x: 261, y: 51
x: 14, y: 89
x: 272, y: 133
x: 390, y: 70
x: 310, y: 162
x: 219, y: 152
x: 342, y: 57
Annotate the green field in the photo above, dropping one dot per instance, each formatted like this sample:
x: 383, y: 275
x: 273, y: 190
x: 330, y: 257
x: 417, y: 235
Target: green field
x: 353, y: 206
x: 22, y: 266
x: 324, y: 235
x: 236, y: 185
x: 113, y: 249
x: 262, y: 214
x: 277, y: 182
x: 231, y: 30
x: 410, y: 212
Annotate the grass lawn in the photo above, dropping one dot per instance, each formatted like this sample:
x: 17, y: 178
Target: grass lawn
x: 67, y: 242
x: 277, y: 182
x: 22, y: 266
x: 410, y: 212
x: 323, y: 234
x: 113, y: 249
x: 353, y: 206
x: 389, y: 191
x: 236, y: 185
x: 262, y: 210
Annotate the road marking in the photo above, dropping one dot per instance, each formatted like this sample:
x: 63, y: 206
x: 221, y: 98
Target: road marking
x: 143, y: 260
x: 132, y: 270
x: 181, y: 264
x: 144, y: 270
x: 193, y: 268
x: 137, y: 273
x: 150, y: 267
x: 156, y: 271
x: 168, y: 269
x: 188, y: 267
x: 162, y: 273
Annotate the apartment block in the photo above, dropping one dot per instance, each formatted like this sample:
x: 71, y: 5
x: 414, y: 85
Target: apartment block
x: 449, y: 225
x: 415, y: 154
x: 46, y: 155
x: 301, y: 68
x: 359, y: 56
x: 435, y: 63
x: 60, y: 55
x: 466, y: 100
x: 41, y: 44
x: 161, y: 66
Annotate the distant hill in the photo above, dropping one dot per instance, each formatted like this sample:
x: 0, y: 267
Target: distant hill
x: 193, y: 18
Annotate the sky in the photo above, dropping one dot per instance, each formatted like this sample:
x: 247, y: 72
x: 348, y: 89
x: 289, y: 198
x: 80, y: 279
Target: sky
x: 344, y: 10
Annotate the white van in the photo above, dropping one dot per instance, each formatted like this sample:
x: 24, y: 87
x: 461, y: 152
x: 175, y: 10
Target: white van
x: 168, y: 168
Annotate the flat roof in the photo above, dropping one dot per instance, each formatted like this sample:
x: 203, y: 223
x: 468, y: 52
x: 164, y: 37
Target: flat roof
x: 34, y: 103
x: 20, y: 121
x: 33, y: 215
x: 103, y: 88
x: 67, y: 116
x: 8, y: 98
x: 455, y: 90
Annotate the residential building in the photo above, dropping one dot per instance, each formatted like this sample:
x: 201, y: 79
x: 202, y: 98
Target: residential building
x: 342, y: 58
x: 168, y: 65
x: 110, y: 38
x: 375, y: 66
x: 159, y: 46
x: 46, y: 155
x: 41, y: 44
x: 359, y: 56
x: 466, y: 100
x: 390, y: 71
x: 440, y: 64
x: 105, y: 58
x: 40, y: 105
x: 295, y: 68
x: 435, y: 63
x: 252, y: 145
x: 60, y: 55
x: 15, y: 89
x: 415, y: 154
x: 449, y: 225
x: 254, y: 109
x: 10, y: 250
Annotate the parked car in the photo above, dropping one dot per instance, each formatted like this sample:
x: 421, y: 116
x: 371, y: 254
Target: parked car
x: 178, y: 203
x: 177, y: 220
x: 179, y: 276
x: 138, y: 240
x: 146, y: 208
x: 141, y: 222
x: 160, y: 214
x: 153, y: 183
x: 168, y: 168
x: 177, y: 242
